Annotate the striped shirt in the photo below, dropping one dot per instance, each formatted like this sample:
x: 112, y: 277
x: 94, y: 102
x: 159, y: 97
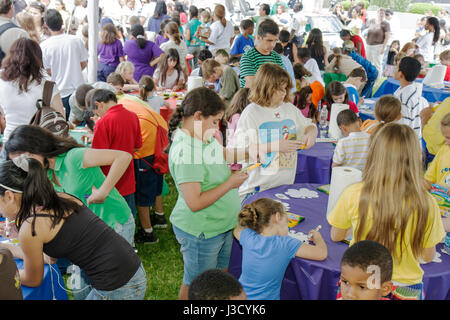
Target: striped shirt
x: 352, y: 151
x: 412, y: 103
x: 252, y: 60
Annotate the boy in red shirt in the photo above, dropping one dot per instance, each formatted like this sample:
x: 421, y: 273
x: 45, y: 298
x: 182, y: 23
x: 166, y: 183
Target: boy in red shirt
x: 357, y: 41
x: 445, y: 61
x: 117, y: 129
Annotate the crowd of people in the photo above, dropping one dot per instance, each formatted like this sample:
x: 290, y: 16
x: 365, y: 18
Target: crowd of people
x: 273, y: 72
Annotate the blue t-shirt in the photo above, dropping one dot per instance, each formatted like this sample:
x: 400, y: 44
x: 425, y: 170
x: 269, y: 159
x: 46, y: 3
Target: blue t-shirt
x: 264, y: 263
x: 352, y: 93
x: 290, y: 69
x: 241, y: 45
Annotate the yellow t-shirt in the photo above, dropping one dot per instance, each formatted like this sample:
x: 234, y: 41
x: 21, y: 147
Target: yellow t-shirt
x: 432, y: 130
x: 439, y: 169
x: 345, y: 215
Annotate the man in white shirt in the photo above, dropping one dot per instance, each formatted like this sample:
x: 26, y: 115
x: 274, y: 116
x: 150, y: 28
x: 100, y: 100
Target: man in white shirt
x: 11, y: 31
x: 310, y: 64
x: 64, y: 57
x: 298, y: 24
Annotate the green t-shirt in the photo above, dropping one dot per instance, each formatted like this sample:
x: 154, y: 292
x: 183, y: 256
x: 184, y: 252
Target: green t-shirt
x: 190, y: 160
x: 193, y: 26
x: 253, y: 59
x: 78, y: 182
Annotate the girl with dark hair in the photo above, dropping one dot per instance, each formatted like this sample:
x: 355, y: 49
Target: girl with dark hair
x: 110, y: 50
x: 159, y: 15
x: 22, y: 83
x: 426, y: 42
x: 303, y: 101
x: 190, y: 34
x: 175, y: 42
x: 337, y: 93
x: 37, y: 10
x: 144, y: 54
x: 208, y: 202
x: 59, y: 225
x: 169, y: 74
x: 162, y: 36
x: 318, y: 50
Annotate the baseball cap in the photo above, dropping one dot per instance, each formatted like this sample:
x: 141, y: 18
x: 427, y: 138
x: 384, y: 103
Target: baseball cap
x: 348, y: 45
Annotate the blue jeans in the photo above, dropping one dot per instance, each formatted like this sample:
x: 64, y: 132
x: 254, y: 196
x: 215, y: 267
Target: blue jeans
x: 66, y: 105
x: 103, y: 71
x: 127, y: 229
x: 131, y: 203
x: 133, y: 290
x: 200, y: 254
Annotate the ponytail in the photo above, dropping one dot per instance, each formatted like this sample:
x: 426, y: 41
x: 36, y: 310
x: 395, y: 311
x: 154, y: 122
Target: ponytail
x: 137, y: 31
x: 141, y: 42
x: 174, y: 122
x: 337, y: 63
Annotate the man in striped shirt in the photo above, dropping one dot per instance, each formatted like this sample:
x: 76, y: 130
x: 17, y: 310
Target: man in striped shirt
x: 410, y: 93
x: 352, y: 150
x: 262, y: 53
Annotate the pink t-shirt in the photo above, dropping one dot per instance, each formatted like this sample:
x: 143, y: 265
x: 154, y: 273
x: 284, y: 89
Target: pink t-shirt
x: 305, y: 111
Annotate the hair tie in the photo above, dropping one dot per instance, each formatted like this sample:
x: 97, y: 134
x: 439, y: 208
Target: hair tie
x: 143, y: 86
x: 140, y: 37
x: 22, y: 162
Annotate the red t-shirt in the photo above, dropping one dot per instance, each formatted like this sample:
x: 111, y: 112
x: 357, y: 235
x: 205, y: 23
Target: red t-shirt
x: 447, y: 74
x: 119, y: 129
x: 357, y: 39
x: 351, y: 106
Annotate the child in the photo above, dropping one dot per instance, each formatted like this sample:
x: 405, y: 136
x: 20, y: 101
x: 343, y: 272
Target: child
x: 216, y: 284
x: 204, y: 29
x: 438, y: 171
x: 287, y: 64
x: 318, y: 51
x: 358, y: 265
x: 222, y: 56
x: 208, y: 202
x: 304, y: 54
x: 234, y: 110
x: 116, y: 81
x: 117, y: 129
x: 245, y: 41
x: 78, y: 106
x: 162, y: 36
x: 126, y: 70
x: 444, y: 57
x: 202, y: 56
x: 392, y: 207
x: 410, y: 93
x: 271, y: 111
x: 263, y: 235
x: 387, y: 109
x: 303, y: 101
x: 355, y: 81
x: 337, y: 93
x: 175, y: 42
x: 147, y: 91
x: 110, y: 51
x: 351, y: 151
x: 423, y: 70
x: 289, y: 46
x: 222, y: 75
x: 302, y: 76
x: 234, y: 63
x: 169, y: 74
x: 394, y: 49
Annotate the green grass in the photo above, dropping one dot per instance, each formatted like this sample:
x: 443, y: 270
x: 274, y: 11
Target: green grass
x: 162, y: 261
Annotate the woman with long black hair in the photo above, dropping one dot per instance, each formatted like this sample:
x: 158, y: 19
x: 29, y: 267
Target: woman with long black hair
x: 159, y: 15
x: 427, y: 42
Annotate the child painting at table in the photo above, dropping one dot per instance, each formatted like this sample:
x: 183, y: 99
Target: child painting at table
x: 272, y: 121
x: 208, y: 201
x: 169, y: 74
x: 116, y: 81
x: 410, y: 93
x: 423, y: 69
x: 387, y: 109
x: 263, y: 234
x: 303, y: 101
x: 355, y: 81
x: 337, y: 93
x: 126, y: 70
x: 444, y: 58
x: 147, y: 90
x: 51, y: 224
x: 438, y: 171
x: 394, y: 49
x: 9, y: 276
x: 351, y: 151
x: 392, y: 207
x: 359, y: 266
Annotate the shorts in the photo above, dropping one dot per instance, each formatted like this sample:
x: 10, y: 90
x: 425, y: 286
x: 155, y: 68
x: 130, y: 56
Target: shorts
x: 148, y: 182
x: 200, y: 254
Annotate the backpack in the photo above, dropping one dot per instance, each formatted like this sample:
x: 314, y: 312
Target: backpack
x: 48, y: 118
x: 3, y: 28
x: 160, y: 159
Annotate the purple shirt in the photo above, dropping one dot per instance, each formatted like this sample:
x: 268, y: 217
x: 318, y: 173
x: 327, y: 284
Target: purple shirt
x: 160, y: 40
x: 141, y: 58
x: 154, y: 24
x: 110, y: 53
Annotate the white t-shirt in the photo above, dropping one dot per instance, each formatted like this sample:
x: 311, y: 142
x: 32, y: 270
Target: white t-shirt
x: 312, y: 66
x: 352, y: 151
x: 181, y: 48
x: 171, y: 81
x: 354, y: 25
x: 298, y: 24
x: 220, y: 36
x: 425, y: 44
x: 20, y: 108
x: 62, y: 54
x: 263, y: 125
x: 155, y: 102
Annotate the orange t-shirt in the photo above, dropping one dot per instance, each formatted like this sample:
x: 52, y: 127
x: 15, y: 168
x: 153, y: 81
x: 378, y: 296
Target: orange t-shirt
x: 148, y: 120
x: 369, y: 125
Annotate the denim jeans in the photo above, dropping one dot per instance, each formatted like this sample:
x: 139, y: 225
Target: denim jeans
x: 133, y: 290
x: 200, y: 254
x: 127, y: 229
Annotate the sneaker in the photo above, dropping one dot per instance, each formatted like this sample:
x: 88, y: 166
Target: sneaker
x: 158, y: 221
x: 135, y: 249
x: 145, y: 237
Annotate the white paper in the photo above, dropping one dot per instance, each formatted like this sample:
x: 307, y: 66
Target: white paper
x: 333, y: 129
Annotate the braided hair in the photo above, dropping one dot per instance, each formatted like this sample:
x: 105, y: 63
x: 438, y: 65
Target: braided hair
x: 257, y: 215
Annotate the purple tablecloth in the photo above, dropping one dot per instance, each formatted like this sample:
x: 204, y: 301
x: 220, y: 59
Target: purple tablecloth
x: 316, y: 280
x: 314, y: 164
